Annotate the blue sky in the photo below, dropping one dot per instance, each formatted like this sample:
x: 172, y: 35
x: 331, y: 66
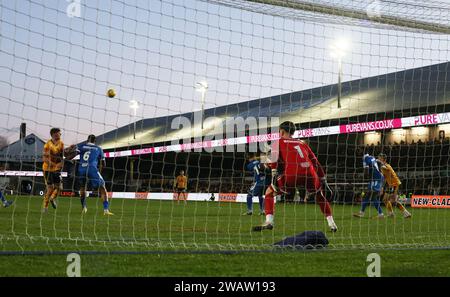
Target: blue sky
x: 55, y: 70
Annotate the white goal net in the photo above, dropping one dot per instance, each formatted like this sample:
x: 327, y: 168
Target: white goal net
x: 201, y: 86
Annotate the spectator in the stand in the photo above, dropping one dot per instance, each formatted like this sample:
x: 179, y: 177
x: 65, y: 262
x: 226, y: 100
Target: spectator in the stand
x: 29, y: 188
x: 436, y: 190
x: 359, y: 196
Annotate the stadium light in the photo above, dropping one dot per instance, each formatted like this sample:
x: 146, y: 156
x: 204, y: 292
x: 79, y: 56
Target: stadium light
x: 134, y: 105
x: 338, y: 50
x: 202, y: 87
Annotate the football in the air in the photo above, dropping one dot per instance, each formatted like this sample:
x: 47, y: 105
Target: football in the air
x: 111, y: 93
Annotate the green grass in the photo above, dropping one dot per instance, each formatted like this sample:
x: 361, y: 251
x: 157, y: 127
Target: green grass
x: 163, y: 227
x: 291, y: 264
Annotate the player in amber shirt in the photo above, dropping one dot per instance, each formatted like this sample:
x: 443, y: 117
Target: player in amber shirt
x: 53, y: 157
x: 393, y: 183
x: 180, y: 186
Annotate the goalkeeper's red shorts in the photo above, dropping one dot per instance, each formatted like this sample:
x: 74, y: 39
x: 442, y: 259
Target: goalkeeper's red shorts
x: 288, y: 183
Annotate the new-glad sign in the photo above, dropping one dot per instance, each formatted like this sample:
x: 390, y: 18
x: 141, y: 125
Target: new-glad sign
x: 430, y: 201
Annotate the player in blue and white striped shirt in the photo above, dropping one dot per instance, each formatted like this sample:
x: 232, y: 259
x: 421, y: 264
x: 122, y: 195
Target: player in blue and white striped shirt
x: 375, y: 186
x: 258, y: 186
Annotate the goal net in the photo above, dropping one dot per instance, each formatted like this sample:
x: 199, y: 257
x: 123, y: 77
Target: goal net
x: 201, y: 87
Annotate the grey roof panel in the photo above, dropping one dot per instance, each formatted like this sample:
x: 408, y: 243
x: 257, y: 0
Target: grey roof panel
x: 425, y: 86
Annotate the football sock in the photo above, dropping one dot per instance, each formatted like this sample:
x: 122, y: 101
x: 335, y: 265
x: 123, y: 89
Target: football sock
x: 83, y: 201
x: 388, y: 205
x: 249, y: 202
x: 46, y: 200
x: 54, y: 194
x: 323, y: 204
x: 364, y: 203
x: 269, y: 206
x: 377, y: 205
x: 330, y: 220
x: 261, y: 203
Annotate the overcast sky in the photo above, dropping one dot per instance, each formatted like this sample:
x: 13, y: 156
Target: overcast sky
x: 55, y: 70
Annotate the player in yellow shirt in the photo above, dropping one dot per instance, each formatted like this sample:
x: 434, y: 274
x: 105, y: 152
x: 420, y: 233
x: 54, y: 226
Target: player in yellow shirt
x: 393, y: 183
x: 53, y: 157
x: 181, y: 186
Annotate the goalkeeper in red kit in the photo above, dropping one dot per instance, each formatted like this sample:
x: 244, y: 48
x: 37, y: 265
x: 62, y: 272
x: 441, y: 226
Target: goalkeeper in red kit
x: 294, y: 165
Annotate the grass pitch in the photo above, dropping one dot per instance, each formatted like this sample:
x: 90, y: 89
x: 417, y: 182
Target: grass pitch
x: 164, y: 238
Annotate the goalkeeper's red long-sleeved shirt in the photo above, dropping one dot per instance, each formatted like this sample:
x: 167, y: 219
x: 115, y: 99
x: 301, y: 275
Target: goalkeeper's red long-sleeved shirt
x: 294, y: 157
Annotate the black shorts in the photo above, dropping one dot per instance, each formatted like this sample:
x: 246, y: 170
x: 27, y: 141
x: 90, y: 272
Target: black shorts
x: 390, y: 190
x: 52, y: 178
x: 181, y: 190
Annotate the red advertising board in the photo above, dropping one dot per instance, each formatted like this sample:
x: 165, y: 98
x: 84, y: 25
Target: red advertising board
x: 430, y: 201
x: 227, y: 197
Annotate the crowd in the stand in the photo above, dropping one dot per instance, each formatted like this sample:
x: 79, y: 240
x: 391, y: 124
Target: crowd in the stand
x: 415, y: 155
x: 422, y: 166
